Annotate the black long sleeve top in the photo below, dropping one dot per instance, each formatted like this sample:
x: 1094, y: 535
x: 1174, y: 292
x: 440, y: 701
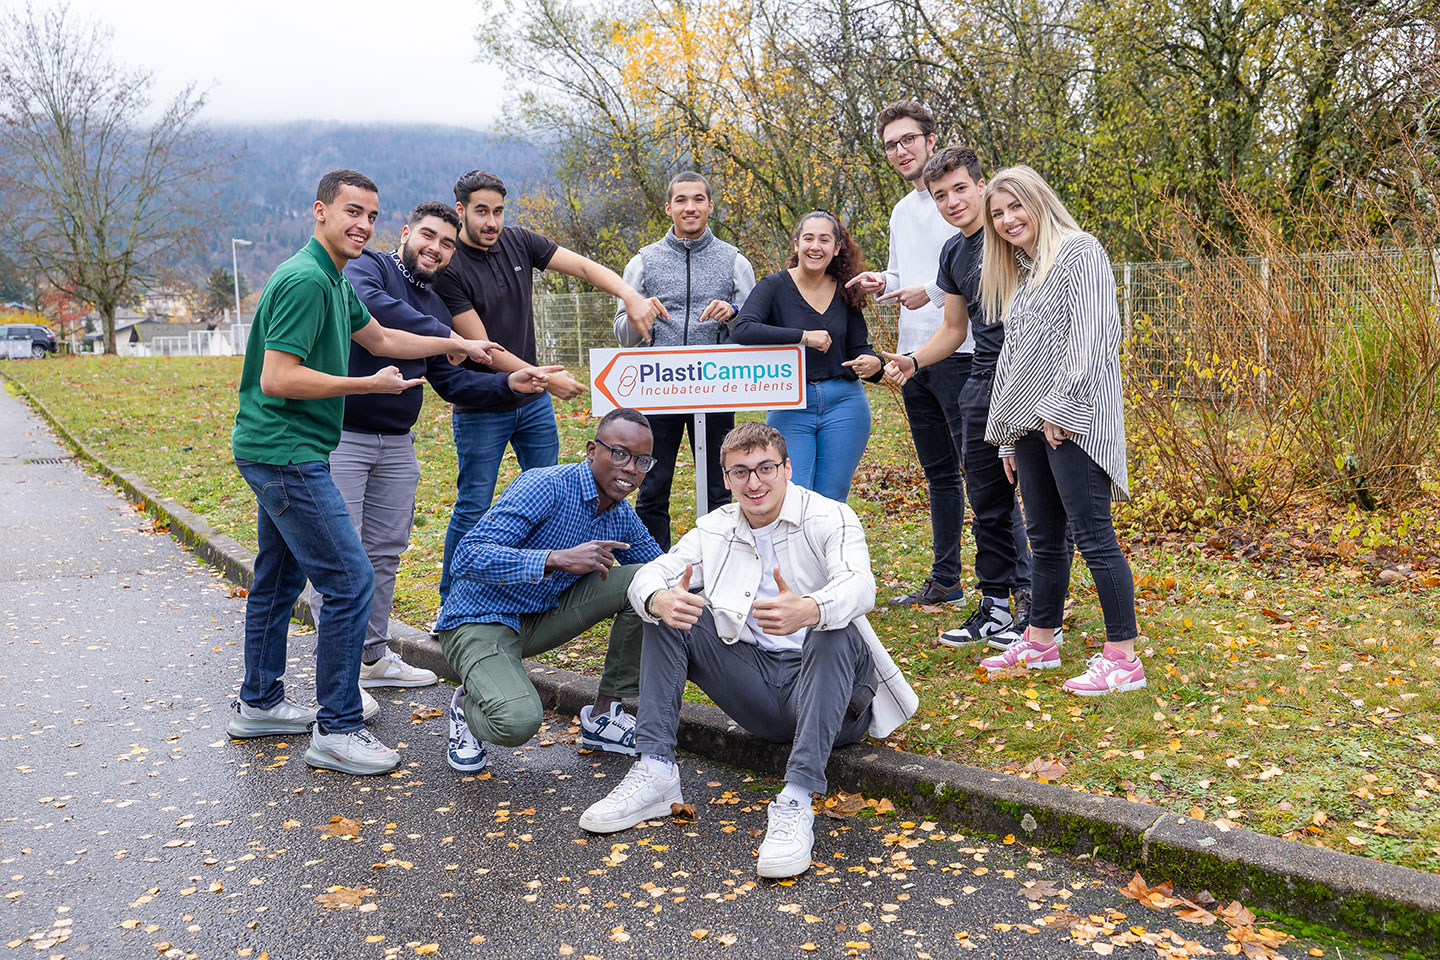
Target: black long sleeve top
x: 777, y: 312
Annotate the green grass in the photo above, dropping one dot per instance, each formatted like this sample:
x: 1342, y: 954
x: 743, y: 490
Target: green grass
x: 1282, y: 687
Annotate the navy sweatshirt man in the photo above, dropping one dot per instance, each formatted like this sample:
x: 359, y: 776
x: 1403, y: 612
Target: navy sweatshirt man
x: 702, y: 281
x: 374, y: 465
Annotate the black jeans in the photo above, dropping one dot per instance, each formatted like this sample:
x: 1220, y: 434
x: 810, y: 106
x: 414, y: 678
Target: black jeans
x: 1002, y: 548
x: 652, y: 503
x: 1061, y: 485
x: 932, y: 404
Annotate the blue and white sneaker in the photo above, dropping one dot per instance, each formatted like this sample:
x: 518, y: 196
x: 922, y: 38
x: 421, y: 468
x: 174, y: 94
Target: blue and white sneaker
x: 466, y: 752
x: 613, y: 732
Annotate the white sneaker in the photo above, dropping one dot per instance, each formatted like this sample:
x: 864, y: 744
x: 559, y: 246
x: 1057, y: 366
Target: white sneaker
x: 785, y: 851
x: 466, y: 751
x: 391, y: 671
x: 613, y: 732
x: 282, y: 719
x: 356, y: 752
x: 369, y: 708
x: 642, y: 795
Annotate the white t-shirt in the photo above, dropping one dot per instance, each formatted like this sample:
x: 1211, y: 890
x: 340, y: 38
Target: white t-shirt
x: 917, y: 232
x: 767, y: 588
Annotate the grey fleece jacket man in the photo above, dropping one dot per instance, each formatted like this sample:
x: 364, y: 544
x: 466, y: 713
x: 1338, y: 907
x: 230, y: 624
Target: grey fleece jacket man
x: 686, y: 275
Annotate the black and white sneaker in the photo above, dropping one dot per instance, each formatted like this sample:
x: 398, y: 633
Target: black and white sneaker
x: 1007, y: 638
x: 990, y: 617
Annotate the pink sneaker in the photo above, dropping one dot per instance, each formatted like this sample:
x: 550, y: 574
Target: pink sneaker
x: 1035, y: 656
x: 1108, y: 672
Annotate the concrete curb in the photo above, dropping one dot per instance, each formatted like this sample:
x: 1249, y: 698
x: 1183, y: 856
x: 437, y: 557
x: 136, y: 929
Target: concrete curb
x: 1392, y: 904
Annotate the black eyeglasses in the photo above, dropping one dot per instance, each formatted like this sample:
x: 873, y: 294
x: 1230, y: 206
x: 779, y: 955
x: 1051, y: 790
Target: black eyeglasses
x: 620, y: 457
x: 768, y: 470
x: 906, y: 141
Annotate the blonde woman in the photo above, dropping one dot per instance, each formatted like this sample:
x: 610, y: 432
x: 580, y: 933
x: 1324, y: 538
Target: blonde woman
x: 1056, y: 415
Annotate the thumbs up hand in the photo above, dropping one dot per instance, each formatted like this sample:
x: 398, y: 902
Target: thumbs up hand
x: 786, y: 613
x: 678, y: 607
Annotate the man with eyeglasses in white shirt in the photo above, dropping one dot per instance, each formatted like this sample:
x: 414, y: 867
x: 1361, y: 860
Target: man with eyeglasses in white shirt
x: 917, y: 234
x: 776, y: 637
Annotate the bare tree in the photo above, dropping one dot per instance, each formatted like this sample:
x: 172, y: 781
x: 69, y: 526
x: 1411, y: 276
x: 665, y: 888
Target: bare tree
x: 101, y: 192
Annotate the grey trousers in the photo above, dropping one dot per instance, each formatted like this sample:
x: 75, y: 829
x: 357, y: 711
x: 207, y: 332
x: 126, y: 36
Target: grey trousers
x: 817, y: 698
x: 377, y: 474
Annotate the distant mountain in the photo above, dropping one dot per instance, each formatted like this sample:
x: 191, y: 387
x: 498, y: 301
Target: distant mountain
x: 269, y: 199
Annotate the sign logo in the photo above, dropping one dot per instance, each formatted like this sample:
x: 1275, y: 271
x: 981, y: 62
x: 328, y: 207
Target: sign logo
x: 698, y: 379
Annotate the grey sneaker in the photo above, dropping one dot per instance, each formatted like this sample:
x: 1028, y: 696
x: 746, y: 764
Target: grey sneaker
x: 1022, y: 605
x: 356, y: 752
x: 929, y: 593
x: 280, y: 720
x: 392, y: 671
x: 785, y: 851
x: 369, y: 707
x: 642, y: 795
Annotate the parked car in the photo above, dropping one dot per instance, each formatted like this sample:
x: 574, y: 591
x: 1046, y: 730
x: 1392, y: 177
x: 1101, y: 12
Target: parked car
x: 42, y: 339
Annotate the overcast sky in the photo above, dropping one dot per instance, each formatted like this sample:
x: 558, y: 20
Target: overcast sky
x: 277, y: 60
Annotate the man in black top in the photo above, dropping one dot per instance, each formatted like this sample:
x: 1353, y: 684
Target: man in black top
x: 1002, y: 551
x: 490, y: 286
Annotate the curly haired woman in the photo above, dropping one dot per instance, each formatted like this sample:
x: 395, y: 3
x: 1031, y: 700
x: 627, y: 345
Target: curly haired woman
x: 808, y: 303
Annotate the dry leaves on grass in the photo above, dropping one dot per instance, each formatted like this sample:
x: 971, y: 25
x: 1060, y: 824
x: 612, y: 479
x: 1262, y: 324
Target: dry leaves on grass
x: 1042, y: 769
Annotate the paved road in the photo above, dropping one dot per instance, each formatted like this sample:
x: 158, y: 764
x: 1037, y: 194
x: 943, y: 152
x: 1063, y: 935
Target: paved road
x: 133, y: 827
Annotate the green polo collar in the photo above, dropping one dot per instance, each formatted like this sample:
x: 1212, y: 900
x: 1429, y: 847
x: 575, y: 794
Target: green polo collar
x: 317, y: 250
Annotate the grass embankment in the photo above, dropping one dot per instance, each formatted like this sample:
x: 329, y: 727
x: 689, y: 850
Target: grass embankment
x: 1293, y: 672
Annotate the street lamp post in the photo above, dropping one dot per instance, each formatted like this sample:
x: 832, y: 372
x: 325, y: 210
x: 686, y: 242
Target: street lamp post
x: 235, y: 271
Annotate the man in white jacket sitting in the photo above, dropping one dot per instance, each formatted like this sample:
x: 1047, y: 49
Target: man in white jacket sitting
x: 777, y: 637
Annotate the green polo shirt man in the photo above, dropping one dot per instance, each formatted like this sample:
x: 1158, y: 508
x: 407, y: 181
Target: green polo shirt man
x: 291, y: 408
x: 308, y: 309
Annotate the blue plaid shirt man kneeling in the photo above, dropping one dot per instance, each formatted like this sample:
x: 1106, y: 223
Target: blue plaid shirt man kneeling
x: 551, y: 558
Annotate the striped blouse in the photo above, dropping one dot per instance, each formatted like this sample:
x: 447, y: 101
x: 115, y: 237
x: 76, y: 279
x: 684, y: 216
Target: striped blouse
x: 1061, y: 360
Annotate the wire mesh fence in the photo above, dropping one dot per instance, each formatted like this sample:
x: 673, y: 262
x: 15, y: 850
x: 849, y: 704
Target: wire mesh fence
x: 1323, y: 288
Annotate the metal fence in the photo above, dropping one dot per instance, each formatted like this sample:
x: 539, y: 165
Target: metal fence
x: 1327, y: 287
x: 568, y: 325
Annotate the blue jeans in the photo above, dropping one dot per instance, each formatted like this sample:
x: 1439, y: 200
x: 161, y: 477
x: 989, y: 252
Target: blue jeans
x: 1064, y: 486
x: 932, y: 405
x: 826, y: 440
x: 480, y: 440
x: 305, y: 532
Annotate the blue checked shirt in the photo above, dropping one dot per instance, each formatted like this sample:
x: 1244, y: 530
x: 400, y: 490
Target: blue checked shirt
x: 498, y: 569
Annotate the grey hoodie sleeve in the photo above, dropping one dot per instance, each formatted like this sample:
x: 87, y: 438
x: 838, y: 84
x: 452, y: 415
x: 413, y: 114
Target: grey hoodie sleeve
x: 744, y: 280
x: 634, y: 275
